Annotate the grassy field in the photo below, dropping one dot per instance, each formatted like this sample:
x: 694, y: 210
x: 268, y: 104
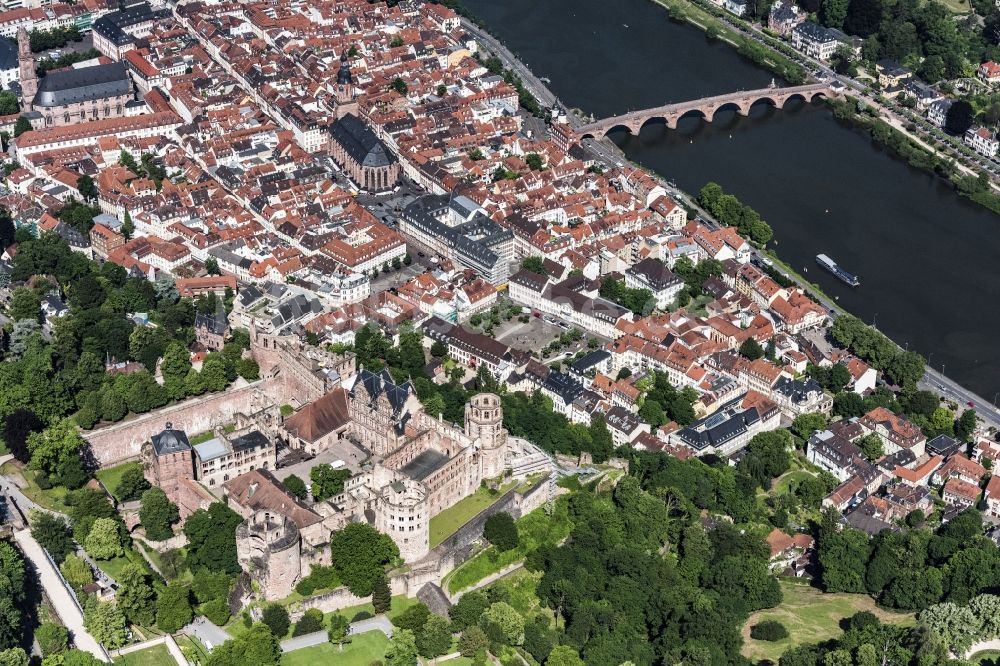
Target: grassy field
x: 535, y: 529
x: 361, y: 651
x: 784, y: 484
x: 192, y: 648
x: 158, y: 655
x: 810, y: 616
x: 51, y: 499
x: 957, y: 6
x: 112, y: 476
x: 448, y: 521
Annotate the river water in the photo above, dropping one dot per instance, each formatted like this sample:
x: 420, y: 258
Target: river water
x: 927, y: 259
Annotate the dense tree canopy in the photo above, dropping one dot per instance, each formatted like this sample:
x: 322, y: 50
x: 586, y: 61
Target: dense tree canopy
x: 14, y: 593
x: 157, y: 513
x: 728, y: 210
x: 212, y: 538
x: 360, y: 554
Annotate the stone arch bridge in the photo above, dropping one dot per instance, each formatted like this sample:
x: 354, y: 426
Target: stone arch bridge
x: 706, y: 107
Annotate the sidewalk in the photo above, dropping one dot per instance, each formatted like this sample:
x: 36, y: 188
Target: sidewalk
x: 377, y: 623
x: 62, y: 600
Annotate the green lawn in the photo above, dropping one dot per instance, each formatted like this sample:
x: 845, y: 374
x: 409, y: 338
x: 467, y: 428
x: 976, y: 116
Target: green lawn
x: 113, y: 567
x: 957, y: 6
x: 448, y: 521
x: 533, y: 530
x: 457, y: 661
x: 783, y: 485
x: 51, y: 499
x: 192, y: 648
x: 112, y: 476
x: 810, y: 617
x: 361, y: 651
x: 158, y: 655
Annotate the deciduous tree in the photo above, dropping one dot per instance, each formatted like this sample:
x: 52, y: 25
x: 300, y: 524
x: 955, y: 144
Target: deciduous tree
x: 136, y: 597
x: 173, y: 607
x: 360, y: 554
x: 106, y: 623
x: 104, y: 541
x: 157, y: 513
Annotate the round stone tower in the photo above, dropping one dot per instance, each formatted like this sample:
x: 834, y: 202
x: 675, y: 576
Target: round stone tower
x: 401, y: 512
x: 484, y: 421
x: 268, y: 548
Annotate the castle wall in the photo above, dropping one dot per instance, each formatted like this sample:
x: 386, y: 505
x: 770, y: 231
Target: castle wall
x: 441, y: 561
x: 122, y: 441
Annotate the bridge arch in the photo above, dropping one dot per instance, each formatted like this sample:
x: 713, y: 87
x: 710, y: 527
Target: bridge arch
x: 694, y: 113
x: 734, y: 105
x: 771, y: 100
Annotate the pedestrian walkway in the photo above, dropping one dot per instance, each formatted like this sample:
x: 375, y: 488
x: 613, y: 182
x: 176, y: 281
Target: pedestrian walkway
x: 61, y: 597
x: 210, y: 634
x: 377, y: 623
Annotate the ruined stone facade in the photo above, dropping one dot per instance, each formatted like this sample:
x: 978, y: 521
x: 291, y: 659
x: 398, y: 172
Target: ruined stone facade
x: 401, y: 511
x: 268, y: 547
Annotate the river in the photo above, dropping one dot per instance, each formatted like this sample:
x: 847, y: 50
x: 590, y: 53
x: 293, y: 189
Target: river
x: 927, y: 259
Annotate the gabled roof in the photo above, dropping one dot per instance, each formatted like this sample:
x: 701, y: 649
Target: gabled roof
x: 320, y: 417
x: 74, y: 86
x: 259, y: 489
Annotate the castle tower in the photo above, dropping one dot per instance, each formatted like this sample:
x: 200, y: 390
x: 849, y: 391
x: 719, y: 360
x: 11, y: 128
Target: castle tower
x: 484, y: 421
x: 26, y: 65
x: 268, y: 547
x: 401, y: 512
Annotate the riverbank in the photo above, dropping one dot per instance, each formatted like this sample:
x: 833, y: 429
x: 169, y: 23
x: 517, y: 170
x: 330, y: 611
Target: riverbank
x: 714, y: 28
x: 918, y: 155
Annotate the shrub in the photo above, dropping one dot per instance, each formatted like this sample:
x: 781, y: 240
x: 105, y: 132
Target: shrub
x: 501, y: 531
x: 217, y: 611
x: 768, y: 630
x: 276, y: 619
x: 311, y: 622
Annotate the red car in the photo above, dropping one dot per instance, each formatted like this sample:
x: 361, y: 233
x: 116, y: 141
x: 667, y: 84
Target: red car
x: 971, y: 404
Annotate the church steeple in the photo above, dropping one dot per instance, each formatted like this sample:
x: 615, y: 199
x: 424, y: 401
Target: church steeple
x: 345, y: 81
x: 26, y: 66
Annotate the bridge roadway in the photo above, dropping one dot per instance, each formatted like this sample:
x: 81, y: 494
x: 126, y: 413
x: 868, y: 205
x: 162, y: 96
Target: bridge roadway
x: 707, y: 107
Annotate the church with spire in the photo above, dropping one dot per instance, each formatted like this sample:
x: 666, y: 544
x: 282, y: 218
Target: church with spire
x: 345, y: 88
x: 72, y: 95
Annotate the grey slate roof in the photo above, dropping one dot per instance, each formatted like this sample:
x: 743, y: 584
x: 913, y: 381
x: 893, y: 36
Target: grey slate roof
x: 360, y: 142
x: 476, y: 242
x: 8, y: 54
x: 73, y: 86
x: 216, y: 325
x: 112, y: 26
x: 170, y: 441
x: 655, y: 273
x: 377, y: 384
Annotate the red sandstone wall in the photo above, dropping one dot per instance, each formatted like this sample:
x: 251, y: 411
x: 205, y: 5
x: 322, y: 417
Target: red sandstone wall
x: 122, y: 441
